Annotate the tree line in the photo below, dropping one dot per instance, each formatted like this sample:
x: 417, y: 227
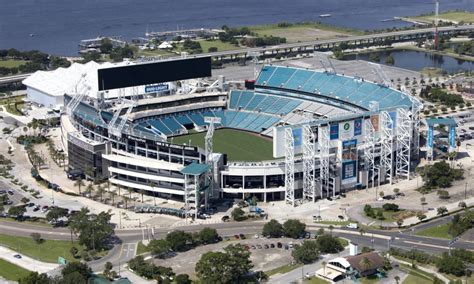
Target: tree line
x: 35, y: 60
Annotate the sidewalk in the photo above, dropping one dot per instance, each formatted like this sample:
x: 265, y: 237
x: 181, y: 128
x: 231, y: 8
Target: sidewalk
x: 26, y: 262
x: 427, y: 270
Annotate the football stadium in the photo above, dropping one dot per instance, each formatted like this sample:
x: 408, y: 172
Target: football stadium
x: 291, y: 134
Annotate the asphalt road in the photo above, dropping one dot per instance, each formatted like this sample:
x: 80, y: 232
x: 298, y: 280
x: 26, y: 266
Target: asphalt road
x: 125, y: 249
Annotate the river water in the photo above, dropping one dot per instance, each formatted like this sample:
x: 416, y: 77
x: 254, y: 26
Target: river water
x: 59, y: 25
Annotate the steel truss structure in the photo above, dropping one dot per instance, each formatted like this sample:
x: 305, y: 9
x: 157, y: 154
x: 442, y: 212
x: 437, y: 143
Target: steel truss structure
x: 324, y: 158
x: 289, y: 166
x: 403, y: 136
x: 416, y: 108
x: 80, y: 91
x: 369, y: 151
x: 309, y: 164
x: 191, y: 195
x: 387, y: 145
x: 209, y: 150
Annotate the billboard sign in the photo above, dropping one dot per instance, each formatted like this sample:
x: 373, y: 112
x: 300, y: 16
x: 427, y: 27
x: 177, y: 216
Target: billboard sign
x: 375, y: 120
x: 349, y: 172
x: 346, y: 130
x: 156, y: 88
x: 349, y: 150
x: 358, y: 127
x: 334, y: 131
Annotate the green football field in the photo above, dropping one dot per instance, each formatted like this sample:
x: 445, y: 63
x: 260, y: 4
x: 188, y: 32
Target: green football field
x: 238, y: 145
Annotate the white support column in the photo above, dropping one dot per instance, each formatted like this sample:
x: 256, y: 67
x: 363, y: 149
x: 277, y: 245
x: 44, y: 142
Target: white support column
x: 386, y: 158
x: 323, y: 142
x: 209, y: 150
x: 289, y: 167
x: 403, y: 136
x: 416, y: 108
x: 309, y: 153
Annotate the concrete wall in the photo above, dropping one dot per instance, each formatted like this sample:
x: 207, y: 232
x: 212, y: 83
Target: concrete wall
x: 39, y: 97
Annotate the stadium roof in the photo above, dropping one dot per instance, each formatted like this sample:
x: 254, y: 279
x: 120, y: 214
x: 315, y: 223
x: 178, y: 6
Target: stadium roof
x: 444, y: 121
x: 64, y: 80
x: 195, y: 169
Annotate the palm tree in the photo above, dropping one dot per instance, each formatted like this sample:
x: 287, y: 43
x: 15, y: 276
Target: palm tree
x: 152, y: 185
x: 331, y: 227
x: 365, y: 263
x: 101, y: 191
x: 79, y: 182
x: 397, y: 278
x: 112, y: 194
x: 125, y: 199
x: 119, y: 188
x: 90, y: 189
x: 142, y: 192
x: 361, y: 231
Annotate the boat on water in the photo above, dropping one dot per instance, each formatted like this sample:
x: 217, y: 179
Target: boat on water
x: 325, y: 15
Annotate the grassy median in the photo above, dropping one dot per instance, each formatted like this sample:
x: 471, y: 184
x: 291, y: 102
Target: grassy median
x: 11, y: 272
x: 47, y: 250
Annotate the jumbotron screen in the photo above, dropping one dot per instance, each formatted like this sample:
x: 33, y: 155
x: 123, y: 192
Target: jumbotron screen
x: 152, y: 73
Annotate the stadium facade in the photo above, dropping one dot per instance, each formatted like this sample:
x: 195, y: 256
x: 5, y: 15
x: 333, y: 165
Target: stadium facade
x: 331, y: 133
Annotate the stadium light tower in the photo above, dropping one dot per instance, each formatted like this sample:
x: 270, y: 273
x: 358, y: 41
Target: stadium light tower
x: 209, y: 148
x: 254, y: 55
x: 81, y: 89
x: 309, y: 169
x: 436, y: 35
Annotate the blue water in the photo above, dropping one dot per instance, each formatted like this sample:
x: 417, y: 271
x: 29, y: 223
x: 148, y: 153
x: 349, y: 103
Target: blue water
x: 59, y: 25
x: 417, y: 60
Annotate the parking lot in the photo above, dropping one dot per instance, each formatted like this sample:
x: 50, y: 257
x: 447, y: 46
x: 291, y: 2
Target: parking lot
x: 266, y: 254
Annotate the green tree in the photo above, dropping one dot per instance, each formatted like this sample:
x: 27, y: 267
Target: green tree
x: 17, y: 211
x: 36, y: 237
x: 293, y: 228
x: 208, y: 236
x: 180, y: 241
x: 159, y: 248
x: 183, y: 279
x: 73, y: 251
x: 442, y: 210
x: 78, y: 270
x: 389, y: 60
x: 94, y: 231
x: 329, y: 244
x: 108, y: 269
x: 451, y: 265
x: 307, y: 252
x: 273, y: 229
x: 365, y: 263
x: 396, y: 190
x: 230, y: 266
x: 238, y: 214
x: 35, y: 278
x: 106, y: 45
x: 56, y: 213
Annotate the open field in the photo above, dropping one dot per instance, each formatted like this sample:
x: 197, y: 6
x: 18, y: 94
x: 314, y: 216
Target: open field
x: 156, y: 52
x: 221, y: 46
x: 47, y: 251
x: 283, y: 269
x: 454, y: 16
x: 238, y: 145
x: 11, y: 272
x: 440, y: 231
x: 416, y: 276
x: 303, y: 31
x: 315, y: 280
x: 10, y: 63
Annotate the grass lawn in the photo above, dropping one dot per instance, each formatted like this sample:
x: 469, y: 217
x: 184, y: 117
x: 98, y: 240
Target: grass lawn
x: 303, y: 31
x: 393, y: 216
x: 141, y: 248
x: 156, y: 52
x: 416, y: 276
x: 238, y: 145
x: 369, y: 279
x: 335, y: 223
x: 455, y: 16
x: 283, y: 269
x: 221, y: 46
x: 47, y: 251
x: 11, y: 272
x: 440, y: 231
x: 10, y: 63
x: 315, y: 280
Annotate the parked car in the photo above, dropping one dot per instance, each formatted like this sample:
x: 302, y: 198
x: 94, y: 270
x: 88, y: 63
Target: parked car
x: 265, y: 246
x: 10, y: 192
x: 225, y: 218
x: 242, y: 236
x: 279, y: 245
x: 18, y: 256
x: 36, y: 208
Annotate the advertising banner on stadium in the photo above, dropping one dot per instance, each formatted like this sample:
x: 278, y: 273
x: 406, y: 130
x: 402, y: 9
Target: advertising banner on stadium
x: 430, y: 136
x: 346, y: 130
x: 375, y: 120
x: 358, y: 127
x: 452, y: 137
x: 349, y: 172
x: 279, y: 141
x: 349, y: 150
x: 393, y: 116
x: 156, y: 88
x: 298, y: 137
x: 334, y: 131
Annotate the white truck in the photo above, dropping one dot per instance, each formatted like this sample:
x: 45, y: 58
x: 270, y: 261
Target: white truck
x: 352, y: 225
